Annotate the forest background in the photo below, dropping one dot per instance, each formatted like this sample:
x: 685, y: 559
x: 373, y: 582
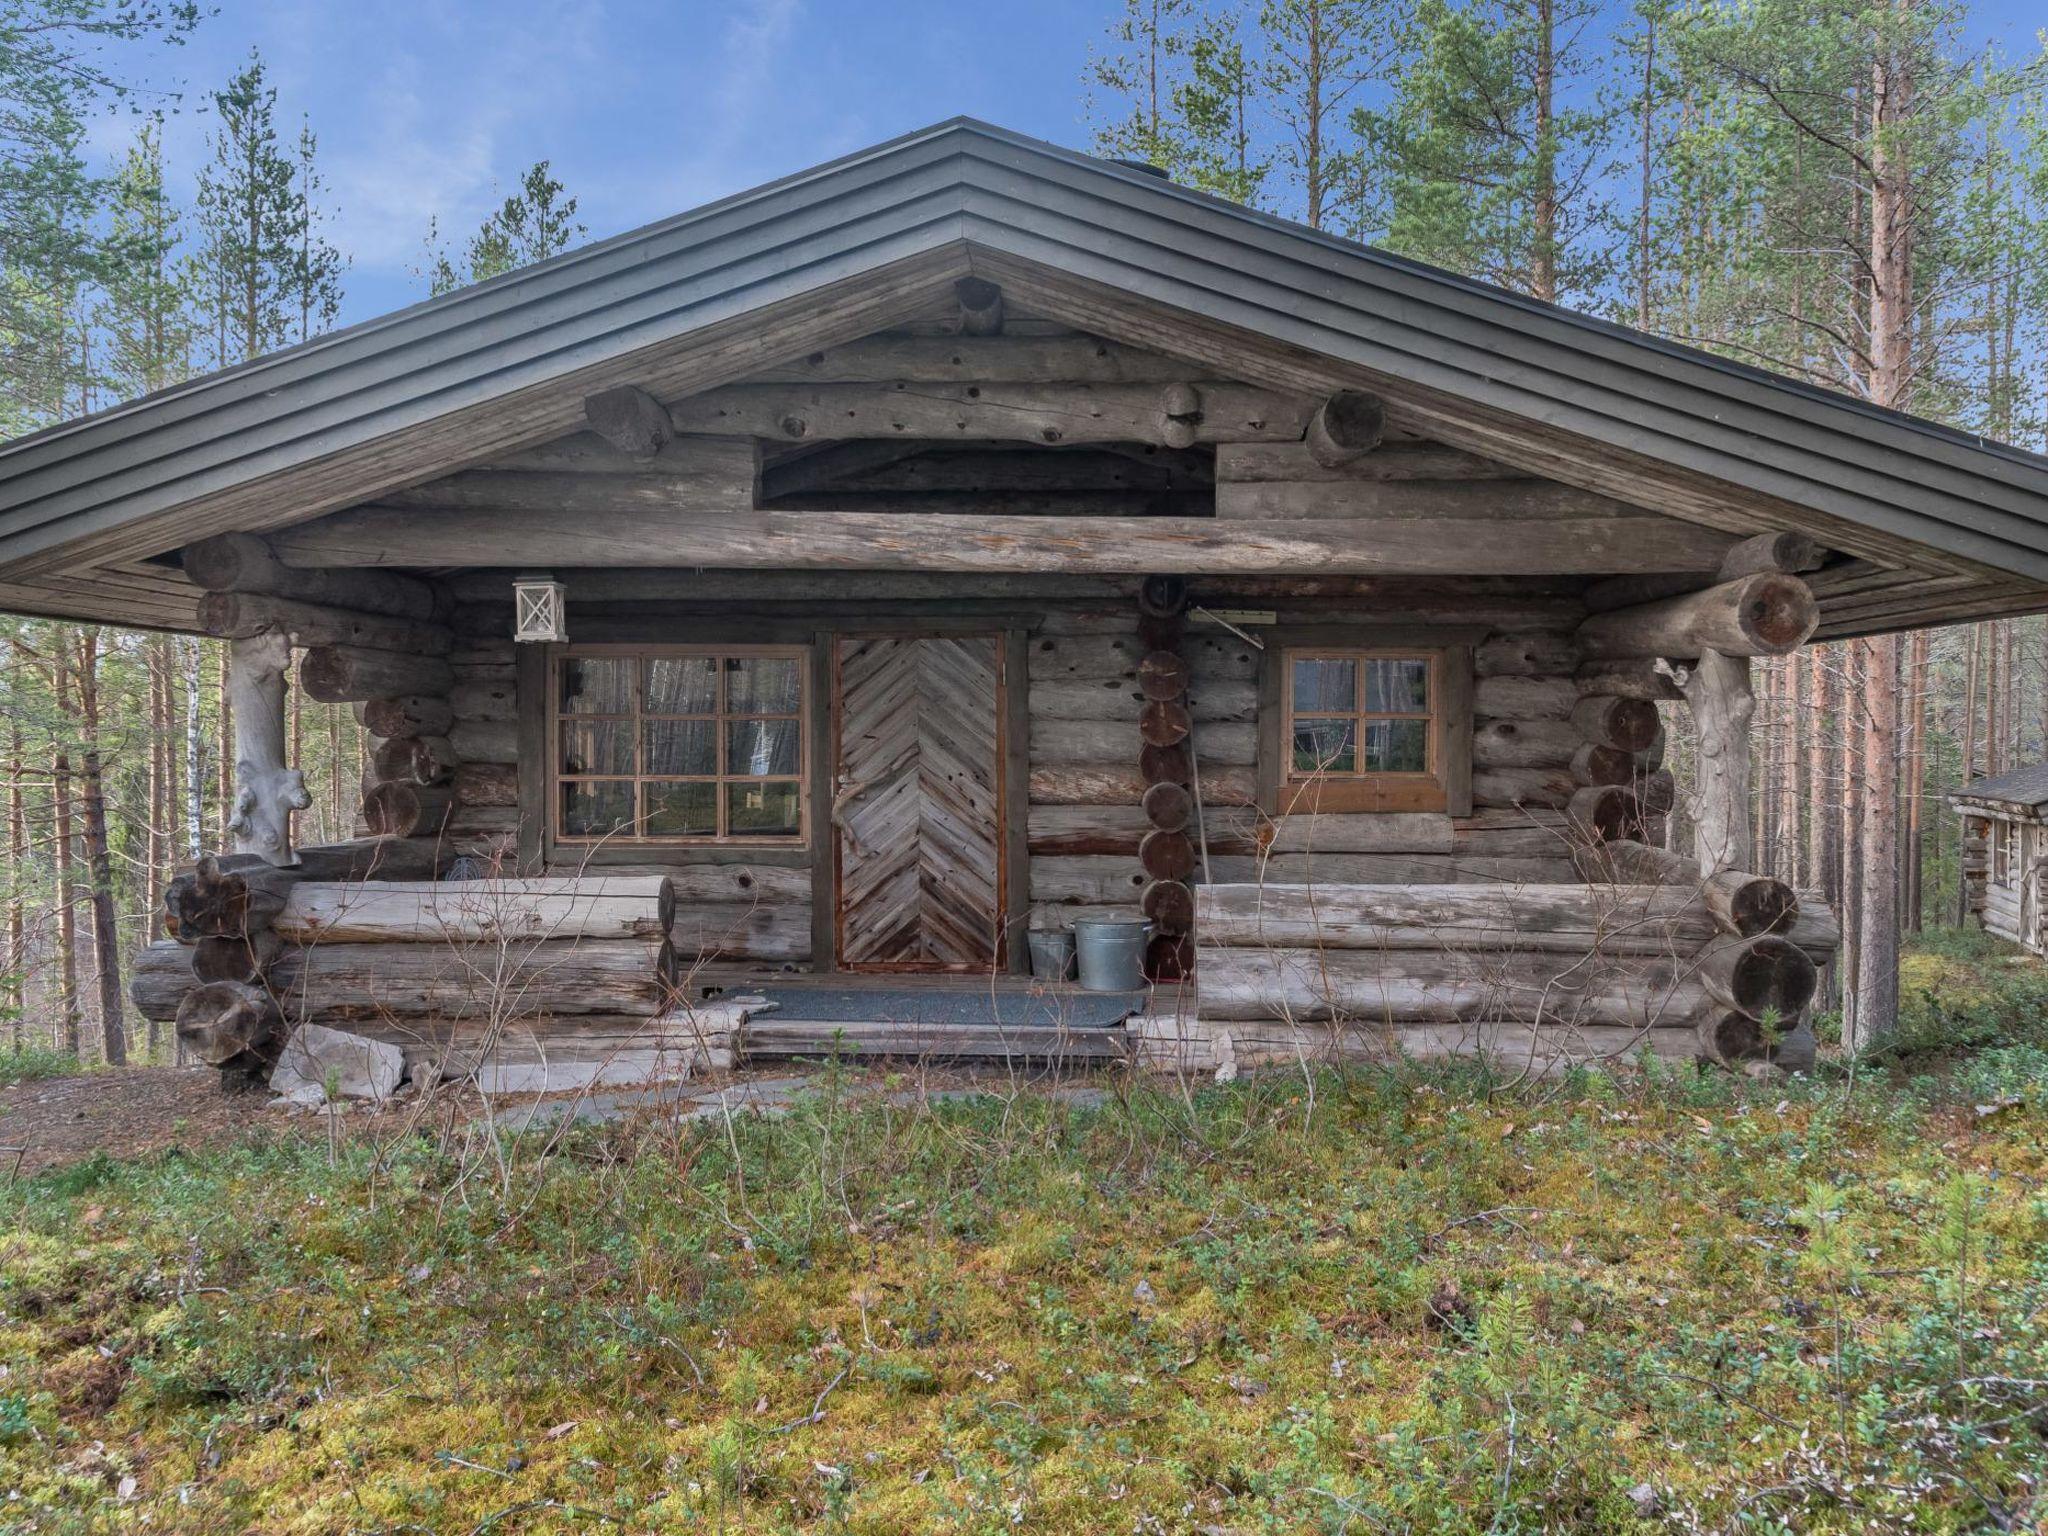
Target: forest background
x: 1853, y: 194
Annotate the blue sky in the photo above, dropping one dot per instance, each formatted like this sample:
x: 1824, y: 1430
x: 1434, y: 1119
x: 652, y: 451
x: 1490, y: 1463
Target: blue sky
x: 427, y: 107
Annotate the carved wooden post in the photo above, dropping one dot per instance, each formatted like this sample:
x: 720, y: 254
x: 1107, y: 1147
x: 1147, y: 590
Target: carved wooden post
x: 269, y: 789
x: 1716, y: 689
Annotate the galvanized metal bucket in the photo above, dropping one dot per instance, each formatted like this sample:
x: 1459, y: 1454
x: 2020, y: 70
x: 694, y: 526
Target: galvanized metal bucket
x: 1112, y: 953
x: 1052, y: 954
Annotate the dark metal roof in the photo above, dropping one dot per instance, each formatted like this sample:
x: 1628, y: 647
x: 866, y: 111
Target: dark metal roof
x: 2023, y: 786
x: 964, y: 183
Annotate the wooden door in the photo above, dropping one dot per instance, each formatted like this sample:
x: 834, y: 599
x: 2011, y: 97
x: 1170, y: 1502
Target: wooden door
x: 917, y: 802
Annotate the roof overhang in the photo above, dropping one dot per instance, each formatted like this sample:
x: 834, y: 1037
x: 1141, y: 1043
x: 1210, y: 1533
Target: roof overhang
x: 1941, y: 524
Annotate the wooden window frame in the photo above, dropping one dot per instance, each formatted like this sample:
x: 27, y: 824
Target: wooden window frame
x: 802, y: 715
x: 1446, y: 786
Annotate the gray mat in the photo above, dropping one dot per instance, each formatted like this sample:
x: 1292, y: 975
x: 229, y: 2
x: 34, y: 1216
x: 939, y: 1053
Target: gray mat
x: 952, y: 1008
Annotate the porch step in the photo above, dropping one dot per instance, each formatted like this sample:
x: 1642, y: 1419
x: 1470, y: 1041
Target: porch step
x: 767, y: 1036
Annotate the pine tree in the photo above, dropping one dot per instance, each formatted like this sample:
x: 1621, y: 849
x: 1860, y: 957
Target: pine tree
x: 531, y: 225
x: 145, y: 313
x: 1481, y: 163
x: 269, y: 275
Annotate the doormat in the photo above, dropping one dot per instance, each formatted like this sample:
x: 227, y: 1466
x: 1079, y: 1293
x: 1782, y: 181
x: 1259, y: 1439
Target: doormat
x: 952, y: 1008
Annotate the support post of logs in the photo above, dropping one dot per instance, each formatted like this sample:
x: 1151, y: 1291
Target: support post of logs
x: 269, y: 790
x: 1717, y: 691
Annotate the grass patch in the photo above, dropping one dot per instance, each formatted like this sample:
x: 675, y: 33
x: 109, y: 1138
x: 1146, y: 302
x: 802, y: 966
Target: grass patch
x: 1375, y: 1301
x: 35, y: 1063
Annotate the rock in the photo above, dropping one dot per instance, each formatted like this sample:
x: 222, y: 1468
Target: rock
x: 1796, y: 1050
x: 358, y: 1067
x: 1645, y: 1499
x: 1143, y: 1292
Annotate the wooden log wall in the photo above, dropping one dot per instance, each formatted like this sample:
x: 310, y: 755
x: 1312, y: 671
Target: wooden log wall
x: 1581, y: 971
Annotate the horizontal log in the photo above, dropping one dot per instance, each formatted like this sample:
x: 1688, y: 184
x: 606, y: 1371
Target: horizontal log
x: 1628, y: 724
x: 741, y: 930
x: 1628, y: 861
x: 485, y: 741
x: 1110, y: 879
x: 1469, y: 502
x: 1596, y: 763
x: 1393, y: 868
x: 1669, y: 921
x: 1061, y: 782
x: 1390, y: 461
x: 330, y: 983
x: 344, y: 674
x: 1627, y: 679
x: 1746, y: 905
x: 407, y: 810
x: 479, y: 911
x: 1524, y: 698
x: 1448, y: 986
x: 1101, y: 657
x: 1525, y: 743
x: 1531, y: 653
x: 1762, y: 615
x: 1223, y: 744
x: 700, y: 473
x: 1119, y: 829
x: 1545, y: 1050
x: 993, y: 409
x: 159, y: 977
x: 1220, y: 700
x: 410, y: 760
x: 222, y: 1021
x: 876, y: 541
x: 242, y: 562
x: 1782, y: 551
x: 487, y: 698
x: 1503, y: 788
x: 412, y: 714
x: 1346, y: 427
x: 1768, y: 977
x: 487, y: 784
x: 244, y: 958
x: 244, y: 615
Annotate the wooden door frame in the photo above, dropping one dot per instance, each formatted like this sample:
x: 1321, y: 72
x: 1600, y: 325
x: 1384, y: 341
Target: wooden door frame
x: 1012, y: 784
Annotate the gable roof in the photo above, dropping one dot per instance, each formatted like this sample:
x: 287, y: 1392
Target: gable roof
x: 840, y: 250
x: 2022, y: 787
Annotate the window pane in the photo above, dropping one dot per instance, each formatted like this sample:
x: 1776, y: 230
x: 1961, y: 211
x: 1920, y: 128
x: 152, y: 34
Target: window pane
x: 681, y: 810
x: 682, y: 685
x: 763, y: 810
x: 1324, y: 746
x: 597, y: 746
x: 595, y: 810
x: 681, y: 746
x: 1396, y: 685
x: 597, y: 685
x: 1396, y: 746
x: 761, y: 747
x: 1323, y: 683
x: 761, y: 685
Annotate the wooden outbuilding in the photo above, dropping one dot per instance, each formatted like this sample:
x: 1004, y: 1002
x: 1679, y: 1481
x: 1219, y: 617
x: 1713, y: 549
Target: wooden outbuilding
x: 806, y: 597
x: 2005, y: 850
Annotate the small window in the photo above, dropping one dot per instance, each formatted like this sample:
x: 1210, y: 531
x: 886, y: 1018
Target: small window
x: 681, y: 746
x: 1361, y: 730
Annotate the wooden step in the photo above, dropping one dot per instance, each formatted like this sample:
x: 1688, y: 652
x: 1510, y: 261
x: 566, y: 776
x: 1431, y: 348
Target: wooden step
x: 771, y: 1035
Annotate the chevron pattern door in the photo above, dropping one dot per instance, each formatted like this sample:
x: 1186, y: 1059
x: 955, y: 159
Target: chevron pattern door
x: 917, y: 802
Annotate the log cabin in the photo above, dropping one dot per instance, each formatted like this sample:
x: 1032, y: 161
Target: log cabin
x: 762, y: 622
x: 2005, y: 850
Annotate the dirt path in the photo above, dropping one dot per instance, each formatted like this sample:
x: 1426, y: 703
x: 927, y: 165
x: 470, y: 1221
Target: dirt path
x: 125, y: 1112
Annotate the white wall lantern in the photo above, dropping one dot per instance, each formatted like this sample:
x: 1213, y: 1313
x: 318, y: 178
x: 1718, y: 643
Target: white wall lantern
x: 539, y: 609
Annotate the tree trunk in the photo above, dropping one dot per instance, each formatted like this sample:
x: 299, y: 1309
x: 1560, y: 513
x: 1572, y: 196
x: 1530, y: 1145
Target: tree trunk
x: 106, y: 936
x: 270, y: 790
x: 1718, y: 694
x: 60, y: 792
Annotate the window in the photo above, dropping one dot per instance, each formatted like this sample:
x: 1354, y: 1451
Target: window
x: 1361, y: 729
x: 694, y: 744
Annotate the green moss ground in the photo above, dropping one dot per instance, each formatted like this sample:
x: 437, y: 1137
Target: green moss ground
x: 1379, y: 1302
